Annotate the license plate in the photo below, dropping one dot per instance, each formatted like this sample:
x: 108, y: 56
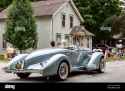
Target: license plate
x: 18, y: 66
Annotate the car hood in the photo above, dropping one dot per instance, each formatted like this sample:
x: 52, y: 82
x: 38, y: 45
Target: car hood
x: 35, y: 57
x: 43, y: 52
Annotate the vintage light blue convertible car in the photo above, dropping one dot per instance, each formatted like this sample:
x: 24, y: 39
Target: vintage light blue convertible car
x: 57, y: 62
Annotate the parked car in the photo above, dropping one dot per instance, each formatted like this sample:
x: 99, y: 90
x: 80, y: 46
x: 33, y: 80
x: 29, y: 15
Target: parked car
x: 59, y: 62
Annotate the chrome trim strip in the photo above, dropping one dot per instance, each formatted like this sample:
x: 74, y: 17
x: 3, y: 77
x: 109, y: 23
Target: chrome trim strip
x: 24, y: 71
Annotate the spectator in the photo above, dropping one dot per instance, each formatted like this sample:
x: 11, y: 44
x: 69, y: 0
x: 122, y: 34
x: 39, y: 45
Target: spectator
x: 107, y: 52
x: 114, y: 50
x: 52, y: 44
x: 11, y: 52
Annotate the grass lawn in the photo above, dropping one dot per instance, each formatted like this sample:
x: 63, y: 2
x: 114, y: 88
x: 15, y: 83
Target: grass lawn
x: 109, y: 59
x: 4, y: 61
x: 115, y: 58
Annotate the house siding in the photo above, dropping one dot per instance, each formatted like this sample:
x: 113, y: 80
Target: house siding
x: 57, y: 20
x: 49, y: 26
x: 2, y: 30
x: 43, y: 30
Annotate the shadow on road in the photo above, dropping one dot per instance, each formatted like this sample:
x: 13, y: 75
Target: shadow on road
x: 52, y: 79
x: 32, y: 79
x: 83, y: 73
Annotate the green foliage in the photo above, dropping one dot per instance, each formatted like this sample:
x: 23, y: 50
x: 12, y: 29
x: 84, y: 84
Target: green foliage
x: 21, y: 27
x: 1, y: 57
x: 118, y: 26
x: 95, y: 12
x: 5, y: 3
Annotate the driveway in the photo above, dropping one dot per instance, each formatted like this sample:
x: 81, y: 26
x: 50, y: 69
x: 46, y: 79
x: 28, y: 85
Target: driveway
x: 115, y: 72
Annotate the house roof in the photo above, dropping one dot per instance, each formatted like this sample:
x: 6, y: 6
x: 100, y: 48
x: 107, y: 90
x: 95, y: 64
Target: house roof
x: 80, y: 30
x: 40, y: 8
x: 44, y: 8
x: 48, y: 7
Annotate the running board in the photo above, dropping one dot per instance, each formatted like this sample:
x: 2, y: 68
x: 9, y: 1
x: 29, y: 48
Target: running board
x: 78, y: 68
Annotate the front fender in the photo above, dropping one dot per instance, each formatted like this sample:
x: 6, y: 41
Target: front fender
x: 17, y: 58
x: 53, y: 64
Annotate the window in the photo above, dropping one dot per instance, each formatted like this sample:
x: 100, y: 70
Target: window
x: 4, y: 42
x: 71, y: 21
x: 58, y: 39
x: 67, y: 38
x: 58, y: 36
x: 88, y: 42
x: 63, y: 20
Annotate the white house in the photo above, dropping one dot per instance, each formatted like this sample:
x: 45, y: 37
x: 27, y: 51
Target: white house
x: 55, y: 20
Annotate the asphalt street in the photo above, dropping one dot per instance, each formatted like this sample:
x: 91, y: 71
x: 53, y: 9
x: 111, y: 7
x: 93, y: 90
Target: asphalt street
x: 115, y: 72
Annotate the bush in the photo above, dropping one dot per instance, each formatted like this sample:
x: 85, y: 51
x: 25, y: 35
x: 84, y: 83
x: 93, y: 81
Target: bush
x: 115, y: 58
x: 2, y: 57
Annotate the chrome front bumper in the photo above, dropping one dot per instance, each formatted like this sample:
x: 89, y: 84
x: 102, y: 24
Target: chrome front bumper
x: 23, y: 71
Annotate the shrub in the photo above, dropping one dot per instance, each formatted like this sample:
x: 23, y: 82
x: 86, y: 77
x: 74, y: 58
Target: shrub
x: 2, y: 57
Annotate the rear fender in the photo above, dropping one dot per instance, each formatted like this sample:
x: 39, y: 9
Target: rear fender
x: 95, y: 59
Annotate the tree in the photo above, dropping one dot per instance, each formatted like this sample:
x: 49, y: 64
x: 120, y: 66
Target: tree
x: 95, y: 12
x: 118, y: 26
x: 21, y: 27
x: 5, y: 3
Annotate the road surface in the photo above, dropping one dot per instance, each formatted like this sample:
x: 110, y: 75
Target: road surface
x: 115, y: 72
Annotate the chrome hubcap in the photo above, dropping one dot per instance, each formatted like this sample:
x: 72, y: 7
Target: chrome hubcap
x: 102, y: 66
x: 63, y: 71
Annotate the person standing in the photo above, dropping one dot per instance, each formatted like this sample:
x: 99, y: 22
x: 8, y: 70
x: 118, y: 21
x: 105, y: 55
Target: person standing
x: 52, y: 44
x: 106, y: 54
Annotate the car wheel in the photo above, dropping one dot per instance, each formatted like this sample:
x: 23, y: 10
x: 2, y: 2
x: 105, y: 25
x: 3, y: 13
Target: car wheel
x: 102, y: 64
x: 23, y: 75
x: 63, y: 71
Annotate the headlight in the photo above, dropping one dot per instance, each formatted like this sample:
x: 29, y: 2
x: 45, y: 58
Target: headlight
x: 18, y: 66
x: 43, y: 63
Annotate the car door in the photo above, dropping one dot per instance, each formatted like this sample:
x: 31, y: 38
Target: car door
x: 83, y: 58
x: 72, y: 55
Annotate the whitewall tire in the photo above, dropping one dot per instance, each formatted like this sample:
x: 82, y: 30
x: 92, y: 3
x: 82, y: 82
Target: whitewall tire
x: 63, y: 71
